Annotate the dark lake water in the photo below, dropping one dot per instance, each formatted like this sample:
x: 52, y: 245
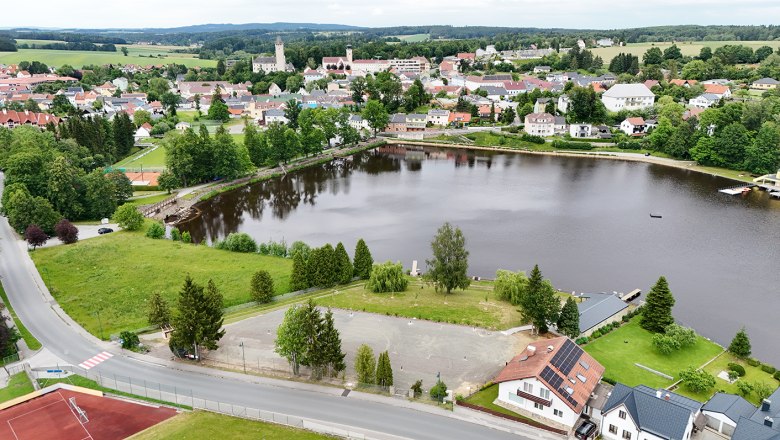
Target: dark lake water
x: 584, y: 221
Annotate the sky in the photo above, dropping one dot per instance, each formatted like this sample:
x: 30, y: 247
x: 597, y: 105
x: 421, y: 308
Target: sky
x: 579, y: 14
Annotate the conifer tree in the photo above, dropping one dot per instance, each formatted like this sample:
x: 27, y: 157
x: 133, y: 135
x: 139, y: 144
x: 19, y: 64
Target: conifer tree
x: 540, y: 305
x: 363, y: 260
x: 159, y: 312
x: 212, y: 326
x: 344, y: 265
x: 740, y: 345
x: 334, y: 357
x: 198, y: 321
x: 298, y: 279
x: 569, y: 320
x: 657, y: 311
x: 384, y: 371
x: 262, y: 287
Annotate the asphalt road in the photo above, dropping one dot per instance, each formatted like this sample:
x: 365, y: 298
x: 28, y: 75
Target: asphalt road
x: 33, y: 304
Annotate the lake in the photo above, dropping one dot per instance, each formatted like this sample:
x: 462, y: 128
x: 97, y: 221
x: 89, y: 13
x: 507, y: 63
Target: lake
x: 585, y: 222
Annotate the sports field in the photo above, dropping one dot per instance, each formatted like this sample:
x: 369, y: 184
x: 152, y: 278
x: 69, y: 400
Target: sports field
x: 150, y: 158
x: 687, y: 48
x: 137, y: 54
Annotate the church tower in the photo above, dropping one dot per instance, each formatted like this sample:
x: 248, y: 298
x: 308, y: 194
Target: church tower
x: 349, y: 53
x: 281, y: 62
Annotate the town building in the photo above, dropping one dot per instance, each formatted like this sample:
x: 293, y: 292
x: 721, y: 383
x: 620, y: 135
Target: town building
x: 276, y: 63
x: 705, y: 100
x: 580, y: 130
x: 599, y: 309
x: 551, y: 381
x: 13, y: 118
x: 440, y: 118
x: 540, y: 124
x: 723, y: 411
x: 348, y: 64
x: 633, y: 126
x: 628, y: 97
x: 765, y: 84
x: 763, y: 424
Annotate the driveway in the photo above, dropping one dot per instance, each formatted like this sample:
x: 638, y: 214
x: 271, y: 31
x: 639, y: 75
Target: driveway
x: 85, y: 232
x: 464, y: 356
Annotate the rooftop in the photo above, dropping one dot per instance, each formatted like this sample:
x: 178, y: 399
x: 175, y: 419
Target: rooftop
x: 597, y: 307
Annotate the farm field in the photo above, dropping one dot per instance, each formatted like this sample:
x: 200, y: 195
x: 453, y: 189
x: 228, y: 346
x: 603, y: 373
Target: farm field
x: 687, y: 48
x: 78, y: 58
x: 416, y: 38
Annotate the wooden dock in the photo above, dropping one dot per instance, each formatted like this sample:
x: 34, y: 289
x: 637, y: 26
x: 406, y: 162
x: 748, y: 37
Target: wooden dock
x: 742, y: 188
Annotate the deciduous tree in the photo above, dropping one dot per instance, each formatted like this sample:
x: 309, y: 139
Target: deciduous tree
x: 66, y: 231
x: 35, y: 236
x: 449, y: 266
x: 387, y: 277
x: 129, y: 217
x: 365, y: 365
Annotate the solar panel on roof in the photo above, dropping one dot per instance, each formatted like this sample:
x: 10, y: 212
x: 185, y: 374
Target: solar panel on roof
x: 566, y: 357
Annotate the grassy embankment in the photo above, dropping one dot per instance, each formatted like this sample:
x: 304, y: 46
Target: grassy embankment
x: 137, y: 54
x: 475, y: 306
x: 105, y: 281
x: 18, y: 385
x: 485, y: 399
x: 29, y: 339
x: 203, y: 424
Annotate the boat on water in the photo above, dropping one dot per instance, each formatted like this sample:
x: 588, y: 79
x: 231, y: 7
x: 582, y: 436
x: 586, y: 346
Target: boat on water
x: 652, y: 215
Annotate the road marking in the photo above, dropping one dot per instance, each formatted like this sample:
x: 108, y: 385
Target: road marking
x: 95, y: 360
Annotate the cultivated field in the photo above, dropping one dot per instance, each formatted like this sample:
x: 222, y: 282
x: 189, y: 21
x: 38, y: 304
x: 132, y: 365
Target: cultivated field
x: 415, y: 38
x: 687, y: 48
x: 139, y: 55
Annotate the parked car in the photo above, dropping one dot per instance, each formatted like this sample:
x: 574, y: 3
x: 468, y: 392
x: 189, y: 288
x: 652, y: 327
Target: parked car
x: 102, y: 231
x: 586, y: 431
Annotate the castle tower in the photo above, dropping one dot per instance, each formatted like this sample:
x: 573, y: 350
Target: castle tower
x: 281, y: 62
x: 349, y: 53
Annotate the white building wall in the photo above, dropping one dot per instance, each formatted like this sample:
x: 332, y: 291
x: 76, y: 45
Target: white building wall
x: 507, y: 393
x: 614, y: 104
x: 720, y: 422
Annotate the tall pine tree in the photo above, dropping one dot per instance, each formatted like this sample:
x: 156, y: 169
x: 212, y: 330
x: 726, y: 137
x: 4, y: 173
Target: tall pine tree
x: 540, y: 305
x: 363, y: 260
x: 343, y: 264
x: 569, y: 320
x: 198, y: 321
x: 262, y: 287
x: 740, y: 345
x: 657, y: 311
x: 384, y: 371
x: 298, y: 278
x: 334, y: 357
x: 159, y: 312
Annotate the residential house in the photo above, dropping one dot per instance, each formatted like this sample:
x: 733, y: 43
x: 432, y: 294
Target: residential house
x: 397, y: 123
x: 683, y: 82
x: 599, y: 309
x: 121, y: 83
x: 274, y: 90
x: 486, y: 110
x: 495, y: 93
x: 563, y: 103
x: 514, y: 88
x: 605, y: 42
x: 416, y: 122
x: 540, y: 124
x: 542, y: 69
x: 723, y: 411
x: 275, y: 115
x: 650, y: 83
x: 628, y: 97
x: 765, y: 84
x: 598, y: 398
x: 12, y: 118
x: 763, y: 424
x: 633, y: 126
x: 540, y: 105
x: 106, y: 89
x: 551, y: 381
x: 720, y: 90
x: 440, y: 118
x: 143, y: 132
x: 311, y: 75
x: 705, y: 100
x: 560, y: 127
x: 358, y: 123
x: 580, y: 130
x: 182, y: 126
x: 642, y: 413
x: 459, y: 119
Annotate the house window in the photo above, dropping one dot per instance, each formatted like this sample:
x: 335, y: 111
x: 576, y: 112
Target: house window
x: 528, y: 387
x: 612, y: 429
x: 544, y: 393
x: 538, y: 406
x: 558, y: 412
x: 626, y: 435
x: 622, y: 415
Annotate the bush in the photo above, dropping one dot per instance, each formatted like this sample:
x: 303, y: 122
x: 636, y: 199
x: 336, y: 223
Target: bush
x: 186, y: 237
x: 753, y: 362
x: 66, y: 231
x: 768, y: 369
x: 582, y: 340
x: 129, y: 217
x: 609, y: 380
x: 629, y: 145
x: 532, y: 139
x: 739, y: 369
x: 563, y: 145
x: 438, y: 391
x: 387, y: 277
x: 129, y: 340
x: 155, y: 231
x: 273, y: 249
x: 698, y: 381
x: 776, y: 375
x: 175, y: 234
x: 237, y: 242
x: 417, y: 389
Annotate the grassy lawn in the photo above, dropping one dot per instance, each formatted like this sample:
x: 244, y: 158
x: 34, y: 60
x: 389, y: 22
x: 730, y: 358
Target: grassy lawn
x: 421, y: 301
x: 91, y: 384
x: 18, y: 385
x: 76, y: 58
x: 752, y: 375
x: 485, y: 399
x: 687, y: 48
x: 620, y: 349
x: 144, y: 159
x: 415, y: 38
x: 203, y: 424
x: 32, y: 343
x: 149, y: 200
x: 731, y: 174
x: 107, y: 280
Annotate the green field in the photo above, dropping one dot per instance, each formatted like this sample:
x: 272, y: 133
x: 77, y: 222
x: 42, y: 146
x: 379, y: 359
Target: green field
x: 687, y: 48
x: 415, y: 38
x: 752, y: 375
x: 203, y: 424
x: 105, y: 281
x: 620, y: 349
x: 153, y: 161
x: 18, y: 385
x: 78, y: 59
x: 475, y: 306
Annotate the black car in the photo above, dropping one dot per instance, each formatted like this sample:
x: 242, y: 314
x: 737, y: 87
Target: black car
x: 102, y: 231
x: 586, y: 431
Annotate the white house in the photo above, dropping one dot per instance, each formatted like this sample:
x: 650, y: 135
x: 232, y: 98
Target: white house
x: 723, y: 411
x: 182, y: 126
x: 542, y: 69
x: 540, y: 124
x: 121, y: 83
x: 633, y: 126
x: 563, y: 103
x: 275, y: 115
x: 143, y: 132
x: 438, y: 117
x: 551, y: 381
x: 605, y: 42
x: 705, y: 100
x: 358, y: 123
x: 642, y: 413
x: 580, y: 130
x: 628, y: 97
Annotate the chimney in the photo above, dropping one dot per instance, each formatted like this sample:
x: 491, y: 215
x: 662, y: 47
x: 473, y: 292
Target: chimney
x: 765, y: 405
x: 768, y: 421
x: 667, y: 396
x: 550, y: 348
x: 658, y: 393
x: 531, y: 350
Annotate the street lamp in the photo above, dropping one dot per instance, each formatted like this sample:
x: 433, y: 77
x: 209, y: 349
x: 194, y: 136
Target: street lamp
x: 243, y: 356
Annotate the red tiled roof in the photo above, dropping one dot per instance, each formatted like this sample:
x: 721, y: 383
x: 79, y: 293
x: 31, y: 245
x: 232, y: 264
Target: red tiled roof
x: 636, y: 121
x: 716, y: 89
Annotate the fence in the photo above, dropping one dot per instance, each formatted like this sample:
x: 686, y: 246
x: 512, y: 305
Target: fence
x: 9, y: 359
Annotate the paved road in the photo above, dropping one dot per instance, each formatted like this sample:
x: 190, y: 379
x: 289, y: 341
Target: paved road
x: 34, y: 305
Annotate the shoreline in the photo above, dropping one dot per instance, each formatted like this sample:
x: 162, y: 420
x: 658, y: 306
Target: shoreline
x: 610, y: 155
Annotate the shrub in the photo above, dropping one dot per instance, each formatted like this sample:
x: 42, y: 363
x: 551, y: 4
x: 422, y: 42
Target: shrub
x: 776, y: 375
x: 563, y: 145
x: 129, y: 340
x: 532, y: 139
x: 744, y: 388
x: 417, y: 389
x: 438, y: 391
x: 186, y: 237
x: 155, y: 231
x: 66, y: 231
x: 387, y: 277
x: 753, y: 362
x: 129, y: 217
x: 175, y: 234
x: 629, y: 145
x: 698, y: 381
x: 35, y: 236
x: 609, y: 380
x: 273, y: 248
x: 768, y: 369
x: 238, y: 242
x: 739, y: 369
x: 262, y: 287
x: 582, y: 340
